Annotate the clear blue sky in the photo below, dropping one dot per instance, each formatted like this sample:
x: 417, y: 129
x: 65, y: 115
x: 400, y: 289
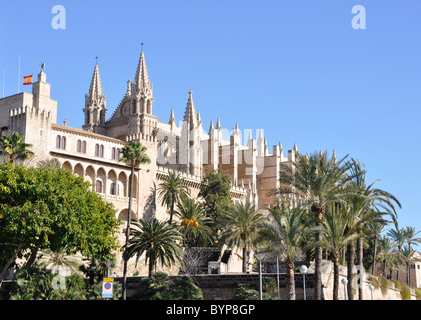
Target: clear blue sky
x: 296, y: 69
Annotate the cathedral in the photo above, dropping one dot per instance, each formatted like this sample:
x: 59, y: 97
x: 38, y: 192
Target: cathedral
x: 93, y: 151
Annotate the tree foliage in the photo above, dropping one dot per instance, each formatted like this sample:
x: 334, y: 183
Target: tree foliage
x: 46, y: 208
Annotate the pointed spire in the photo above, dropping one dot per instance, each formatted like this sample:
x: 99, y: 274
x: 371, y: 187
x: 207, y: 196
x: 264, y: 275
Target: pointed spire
x: 141, y: 79
x: 218, y: 124
x: 199, y: 119
x: 335, y: 160
x: 172, y: 118
x: 190, y: 115
x: 211, y: 128
x: 95, y: 89
x: 295, y: 147
x: 129, y: 87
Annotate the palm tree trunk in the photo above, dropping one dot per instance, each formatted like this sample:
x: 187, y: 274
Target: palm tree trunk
x: 290, y: 280
x: 350, y: 267
x: 335, y: 278
x: 374, y: 255
x: 151, y: 265
x: 171, y: 210
x: 10, y: 261
x: 318, y: 267
x: 360, y: 264
x: 244, y: 259
x: 128, y: 231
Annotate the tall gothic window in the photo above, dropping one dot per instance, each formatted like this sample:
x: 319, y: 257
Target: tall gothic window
x: 97, y: 150
x: 79, y: 146
x: 98, y: 186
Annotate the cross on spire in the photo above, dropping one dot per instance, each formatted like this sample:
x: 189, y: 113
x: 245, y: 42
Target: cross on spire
x: 142, y: 45
x: 96, y: 59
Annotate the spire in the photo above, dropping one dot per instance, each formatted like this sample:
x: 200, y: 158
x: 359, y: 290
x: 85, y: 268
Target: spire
x: 141, y: 79
x: 172, y: 118
x: 218, y: 124
x: 295, y: 147
x: 95, y: 89
x: 190, y: 115
x: 211, y: 128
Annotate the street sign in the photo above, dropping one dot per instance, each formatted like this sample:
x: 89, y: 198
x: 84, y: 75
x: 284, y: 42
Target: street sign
x: 107, y: 288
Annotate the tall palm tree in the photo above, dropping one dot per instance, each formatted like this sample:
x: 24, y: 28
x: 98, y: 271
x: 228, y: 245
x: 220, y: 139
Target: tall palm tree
x: 397, y: 235
x: 374, y: 230
x: 241, y: 226
x: 320, y: 180
x: 158, y: 240
x: 285, y: 234
x: 194, y: 223
x: 336, y: 237
x: 387, y: 254
x: 411, y: 236
x: 14, y: 146
x: 366, y: 204
x: 134, y: 154
x: 171, y: 191
x: 407, y: 254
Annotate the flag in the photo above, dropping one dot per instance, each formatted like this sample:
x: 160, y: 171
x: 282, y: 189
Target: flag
x: 27, y: 80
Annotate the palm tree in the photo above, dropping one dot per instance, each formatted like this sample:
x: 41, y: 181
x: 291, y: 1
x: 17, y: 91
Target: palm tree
x: 410, y: 236
x: 366, y: 204
x: 241, y: 226
x: 374, y: 230
x: 171, y: 191
x: 14, y: 146
x: 336, y: 237
x: 397, y: 235
x: 387, y: 254
x: 320, y: 180
x: 51, y: 259
x: 135, y: 154
x: 158, y: 240
x: 285, y: 233
x: 194, y: 223
x: 407, y: 254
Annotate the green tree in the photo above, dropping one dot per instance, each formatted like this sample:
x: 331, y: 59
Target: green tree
x: 158, y: 240
x: 241, y: 227
x: 407, y: 254
x: 14, y: 146
x: 215, y: 192
x: 320, y: 180
x: 44, y: 208
x: 134, y: 154
x: 284, y: 234
x: 398, y: 236
x: 194, y: 224
x: 171, y: 191
x: 336, y: 237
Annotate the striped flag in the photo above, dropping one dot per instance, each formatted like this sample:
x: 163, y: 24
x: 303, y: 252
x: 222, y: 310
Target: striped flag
x: 27, y: 80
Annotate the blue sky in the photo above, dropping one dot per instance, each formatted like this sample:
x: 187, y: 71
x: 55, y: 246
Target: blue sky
x: 296, y: 69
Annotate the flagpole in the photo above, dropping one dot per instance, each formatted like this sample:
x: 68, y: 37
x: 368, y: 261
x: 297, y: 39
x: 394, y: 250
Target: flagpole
x: 19, y: 74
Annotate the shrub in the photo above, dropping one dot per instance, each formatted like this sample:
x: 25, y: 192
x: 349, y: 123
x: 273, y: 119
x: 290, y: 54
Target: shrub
x: 405, y: 292
x: 418, y: 293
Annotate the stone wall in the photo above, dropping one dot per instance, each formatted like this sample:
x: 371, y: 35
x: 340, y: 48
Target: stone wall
x: 222, y: 286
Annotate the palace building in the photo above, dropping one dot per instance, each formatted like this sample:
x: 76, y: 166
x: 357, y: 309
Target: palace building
x: 93, y: 151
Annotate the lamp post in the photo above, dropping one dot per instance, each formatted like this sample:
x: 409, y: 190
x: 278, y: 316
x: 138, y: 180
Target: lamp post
x: 259, y: 257
x: 371, y: 287
x: 277, y: 277
x: 344, y: 282
x: 303, y: 270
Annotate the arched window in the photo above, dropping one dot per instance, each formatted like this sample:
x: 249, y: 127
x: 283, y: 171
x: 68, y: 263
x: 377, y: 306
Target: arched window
x: 101, y: 151
x: 58, y: 142
x: 79, y: 146
x: 117, y: 155
x: 97, y: 150
x: 113, y: 189
x: 113, y: 154
x: 98, y: 186
x: 84, y: 147
x: 63, y: 143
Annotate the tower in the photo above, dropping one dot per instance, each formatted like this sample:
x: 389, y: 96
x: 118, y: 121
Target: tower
x: 95, y: 105
x: 141, y: 121
x: 190, y: 142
